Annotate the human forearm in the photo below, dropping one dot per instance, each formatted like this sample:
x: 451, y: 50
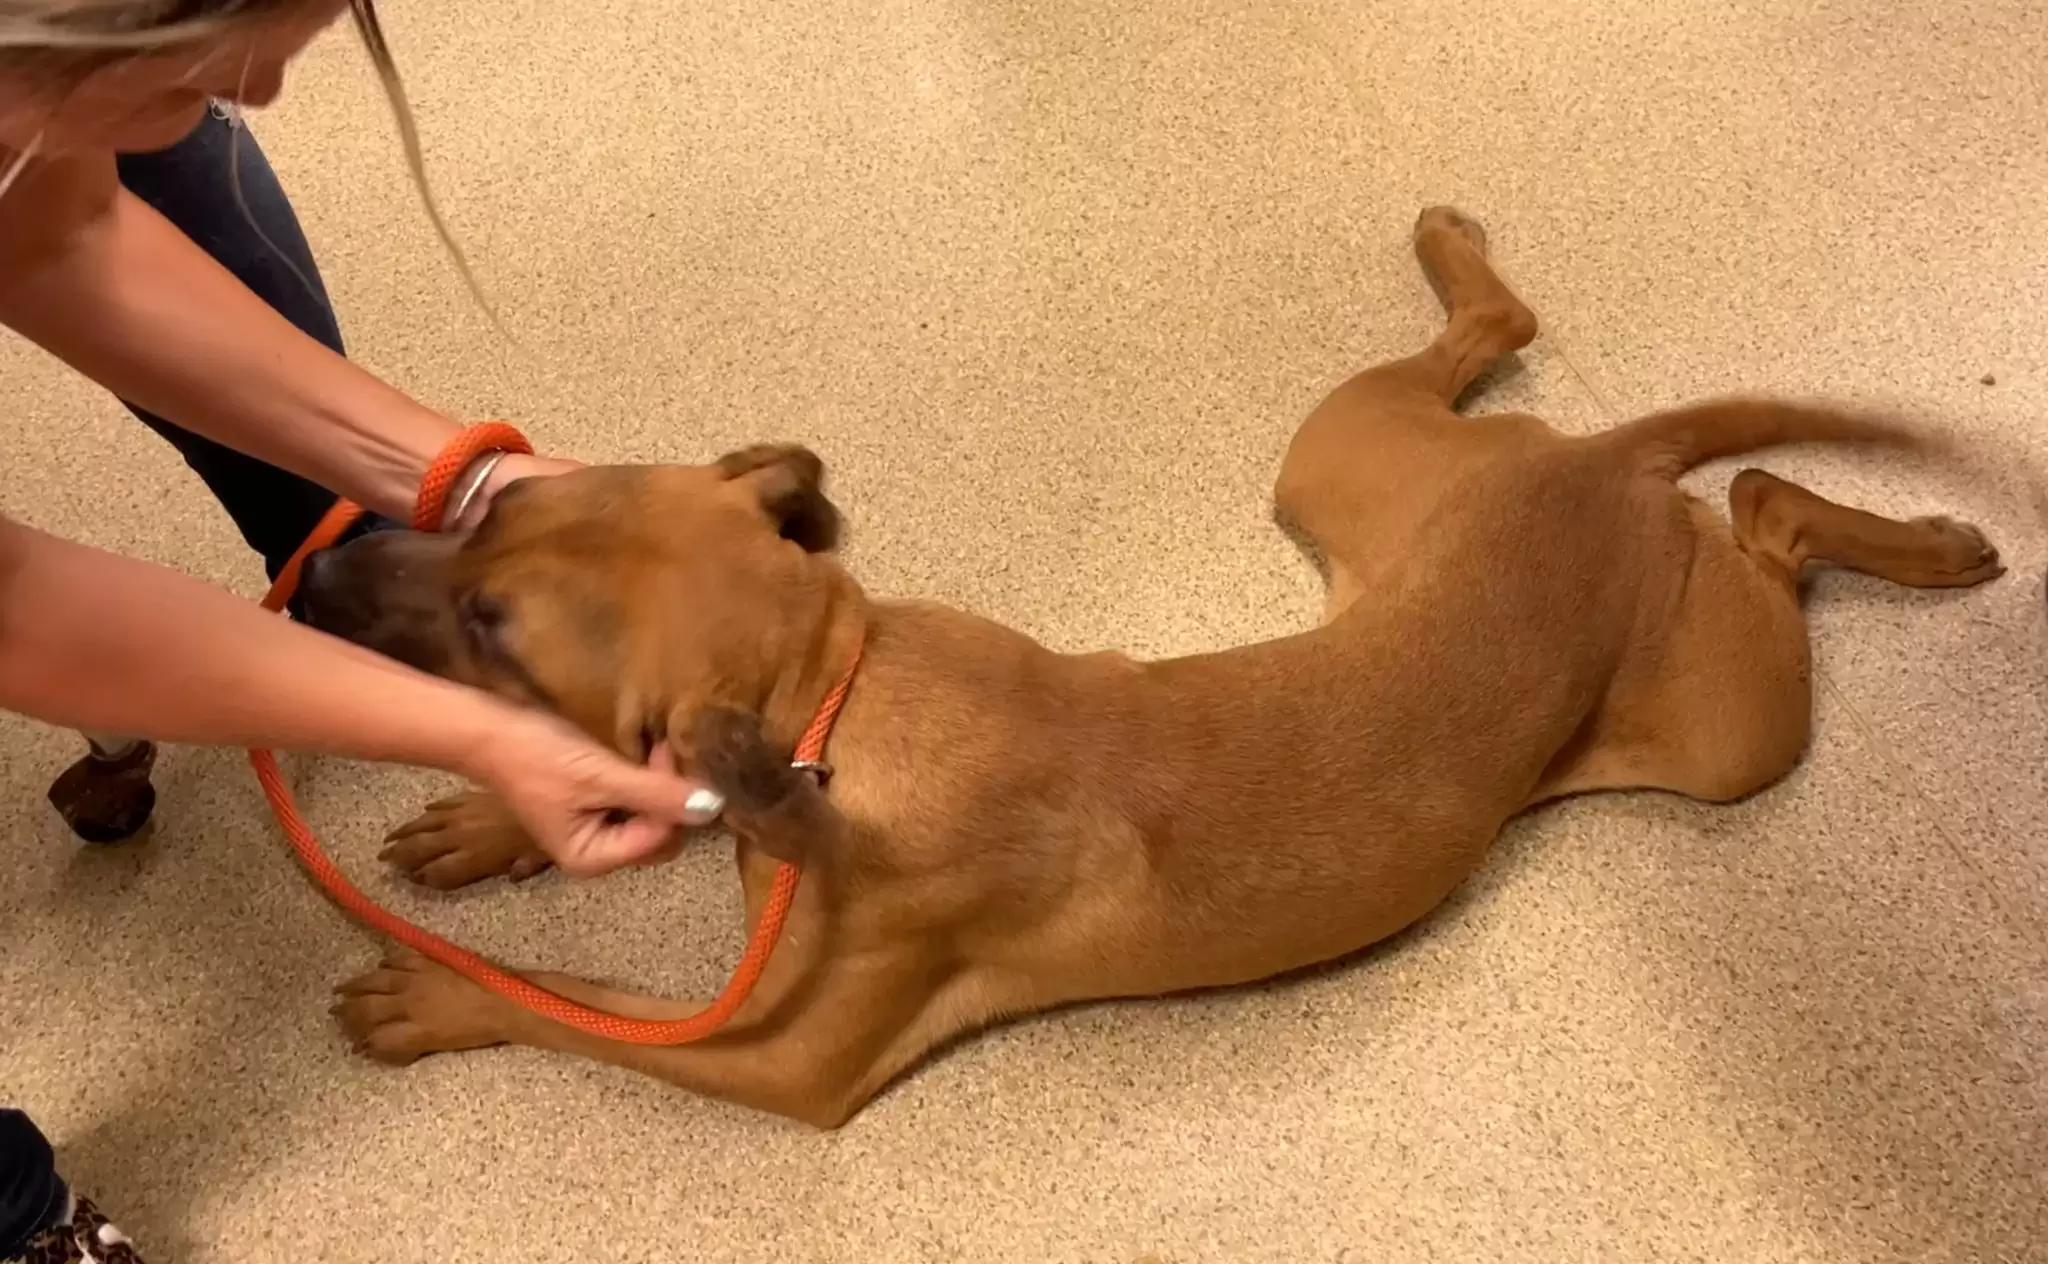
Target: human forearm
x: 90, y: 640
x: 129, y: 301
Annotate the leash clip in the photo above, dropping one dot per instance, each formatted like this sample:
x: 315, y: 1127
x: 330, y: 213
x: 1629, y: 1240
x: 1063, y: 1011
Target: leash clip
x: 820, y: 772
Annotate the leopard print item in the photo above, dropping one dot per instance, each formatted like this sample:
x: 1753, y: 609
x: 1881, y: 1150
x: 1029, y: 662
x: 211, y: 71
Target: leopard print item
x: 87, y: 1239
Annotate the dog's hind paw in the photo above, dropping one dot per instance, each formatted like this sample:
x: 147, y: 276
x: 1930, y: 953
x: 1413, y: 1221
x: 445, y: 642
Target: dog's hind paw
x: 1964, y: 556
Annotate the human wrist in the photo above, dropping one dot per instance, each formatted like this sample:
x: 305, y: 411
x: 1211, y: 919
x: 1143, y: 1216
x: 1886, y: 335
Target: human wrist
x: 473, y: 731
x: 392, y: 441
x: 490, y: 473
x: 468, y: 494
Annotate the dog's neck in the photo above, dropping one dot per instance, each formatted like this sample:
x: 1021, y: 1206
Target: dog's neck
x: 834, y: 638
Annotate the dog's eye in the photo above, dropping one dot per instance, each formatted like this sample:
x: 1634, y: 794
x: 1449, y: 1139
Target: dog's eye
x: 484, y: 620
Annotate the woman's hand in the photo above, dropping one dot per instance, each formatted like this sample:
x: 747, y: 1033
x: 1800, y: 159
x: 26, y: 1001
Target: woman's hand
x: 588, y: 809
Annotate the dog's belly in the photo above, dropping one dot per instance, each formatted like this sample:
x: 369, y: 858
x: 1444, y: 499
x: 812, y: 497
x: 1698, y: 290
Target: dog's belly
x: 1388, y: 886
x: 1273, y: 906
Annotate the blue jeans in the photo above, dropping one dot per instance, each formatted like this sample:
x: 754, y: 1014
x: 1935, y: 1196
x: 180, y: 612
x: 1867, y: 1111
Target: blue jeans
x: 31, y: 1196
x: 191, y: 185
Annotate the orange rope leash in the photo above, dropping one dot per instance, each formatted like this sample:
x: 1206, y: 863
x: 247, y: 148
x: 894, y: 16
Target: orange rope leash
x: 434, y: 488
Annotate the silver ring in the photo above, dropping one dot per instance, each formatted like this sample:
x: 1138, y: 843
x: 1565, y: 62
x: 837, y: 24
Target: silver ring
x: 822, y: 772
x: 483, y: 475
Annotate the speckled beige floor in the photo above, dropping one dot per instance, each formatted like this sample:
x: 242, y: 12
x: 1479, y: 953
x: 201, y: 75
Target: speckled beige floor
x: 1049, y: 282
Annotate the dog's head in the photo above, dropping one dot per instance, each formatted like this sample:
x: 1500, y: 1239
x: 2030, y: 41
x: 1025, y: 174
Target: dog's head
x: 630, y: 600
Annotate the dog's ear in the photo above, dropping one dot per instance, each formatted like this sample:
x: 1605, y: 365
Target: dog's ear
x: 777, y: 807
x: 788, y: 480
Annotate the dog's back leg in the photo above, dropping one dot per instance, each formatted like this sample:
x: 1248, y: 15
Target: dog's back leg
x: 1784, y: 526
x: 1715, y: 701
x: 1720, y: 706
x: 1485, y: 319
x: 1377, y: 452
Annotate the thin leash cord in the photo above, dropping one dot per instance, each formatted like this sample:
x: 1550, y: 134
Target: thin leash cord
x: 767, y: 931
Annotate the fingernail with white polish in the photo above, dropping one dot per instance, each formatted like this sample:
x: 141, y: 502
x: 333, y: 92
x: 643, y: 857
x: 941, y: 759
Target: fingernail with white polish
x: 703, y: 806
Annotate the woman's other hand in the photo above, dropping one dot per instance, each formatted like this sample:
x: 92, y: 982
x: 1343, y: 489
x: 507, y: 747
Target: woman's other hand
x: 590, y: 810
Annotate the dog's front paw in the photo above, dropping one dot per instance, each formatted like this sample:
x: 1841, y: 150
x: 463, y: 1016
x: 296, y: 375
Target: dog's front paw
x: 410, y: 1007
x: 462, y: 840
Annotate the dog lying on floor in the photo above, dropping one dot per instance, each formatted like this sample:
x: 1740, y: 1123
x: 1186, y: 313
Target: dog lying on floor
x: 1514, y: 615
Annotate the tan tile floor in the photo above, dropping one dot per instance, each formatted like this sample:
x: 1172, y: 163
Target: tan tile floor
x: 1049, y: 282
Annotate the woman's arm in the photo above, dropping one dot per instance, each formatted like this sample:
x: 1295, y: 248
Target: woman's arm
x: 98, y: 278
x: 91, y: 640
x: 94, y: 641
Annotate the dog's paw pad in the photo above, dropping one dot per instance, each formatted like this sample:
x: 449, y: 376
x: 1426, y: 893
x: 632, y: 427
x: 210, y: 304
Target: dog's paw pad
x: 1449, y: 219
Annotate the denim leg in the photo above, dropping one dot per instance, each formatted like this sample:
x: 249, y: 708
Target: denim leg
x: 32, y: 1198
x: 193, y: 185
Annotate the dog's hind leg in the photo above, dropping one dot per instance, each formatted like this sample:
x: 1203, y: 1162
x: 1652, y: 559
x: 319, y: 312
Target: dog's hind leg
x: 1486, y: 320
x: 1377, y: 452
x: 1784, y: 526
x: 1720, y: 705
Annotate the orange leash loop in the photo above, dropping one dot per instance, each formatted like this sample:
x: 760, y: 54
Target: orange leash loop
x: 434, y: 488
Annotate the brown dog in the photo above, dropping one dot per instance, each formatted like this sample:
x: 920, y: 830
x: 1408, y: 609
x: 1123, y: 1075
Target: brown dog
x: 1514, y: 615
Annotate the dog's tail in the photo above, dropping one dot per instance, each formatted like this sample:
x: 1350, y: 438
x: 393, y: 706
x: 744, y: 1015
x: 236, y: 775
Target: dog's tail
x: 1667, y: 444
